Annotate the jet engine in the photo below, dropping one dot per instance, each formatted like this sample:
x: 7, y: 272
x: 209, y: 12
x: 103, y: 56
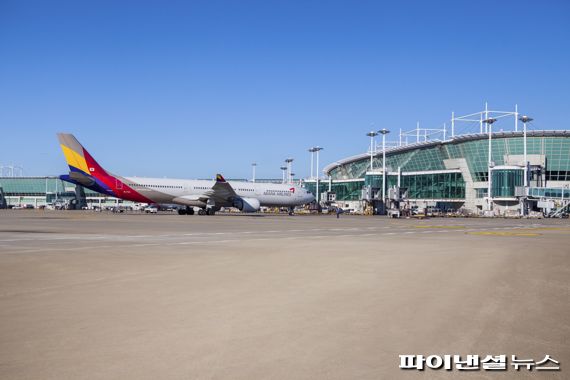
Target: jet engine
x: 246, y: 204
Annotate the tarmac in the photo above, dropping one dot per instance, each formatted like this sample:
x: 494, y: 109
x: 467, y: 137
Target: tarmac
x: 87, y: 295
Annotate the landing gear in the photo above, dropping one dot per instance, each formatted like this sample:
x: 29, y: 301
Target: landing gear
x: 202, y: 212
x: 291, y: 210
x: 210, y: 211
x: 186, y: 211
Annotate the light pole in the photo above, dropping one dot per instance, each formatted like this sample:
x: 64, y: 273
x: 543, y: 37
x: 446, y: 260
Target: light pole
x: 525, y: 119
x: 283, y: 170
x: 384, y: 132
x: 372, y: 134
x: 489, y: 122
x: 289, y: 162
x: 253, y: 165
x: 312, y: 151
x: 317, y: 149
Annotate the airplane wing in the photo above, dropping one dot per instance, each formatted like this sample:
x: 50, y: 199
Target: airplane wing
x: 221, y: 190
x: 220, y: 193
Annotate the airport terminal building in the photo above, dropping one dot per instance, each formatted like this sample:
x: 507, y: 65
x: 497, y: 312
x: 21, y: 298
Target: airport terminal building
x: 529, y: 170
x: 37, y: 192
x: 507, y: 168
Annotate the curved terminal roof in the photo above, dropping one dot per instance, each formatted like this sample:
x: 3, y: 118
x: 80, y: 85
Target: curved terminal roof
x: 432, y: 143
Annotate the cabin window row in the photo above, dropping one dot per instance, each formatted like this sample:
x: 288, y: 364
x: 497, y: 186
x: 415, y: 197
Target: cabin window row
x: 159, y: 186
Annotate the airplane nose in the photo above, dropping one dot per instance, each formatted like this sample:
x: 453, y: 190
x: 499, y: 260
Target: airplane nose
x: 310, y: 198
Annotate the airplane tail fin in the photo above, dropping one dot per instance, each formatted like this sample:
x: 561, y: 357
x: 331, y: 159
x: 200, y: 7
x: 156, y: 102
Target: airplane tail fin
x: 77, y: 157
x: 85, y: 171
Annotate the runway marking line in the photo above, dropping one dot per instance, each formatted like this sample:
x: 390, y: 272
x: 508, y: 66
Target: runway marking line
x: 504, y: 233
x: 544, y: 229
x: 445, y: 227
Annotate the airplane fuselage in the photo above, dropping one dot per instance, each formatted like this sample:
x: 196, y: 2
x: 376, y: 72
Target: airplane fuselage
x: 189, y: 192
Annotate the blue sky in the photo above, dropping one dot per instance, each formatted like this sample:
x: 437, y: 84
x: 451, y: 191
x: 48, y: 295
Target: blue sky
x: 191, y: 88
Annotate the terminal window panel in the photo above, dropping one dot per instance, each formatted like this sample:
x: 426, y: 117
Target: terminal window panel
x: 345, y: 191
x: 352, y: 170
x: 427, y: 159
x: 375, y: 181
x: 33, y: 186
x: 505, y: 181
x: 416, y: 160
x: 558, y: 155
x: 348, y: 191
x: 480, y: 176
x: 558, y: 175
x: 481, y: 192
x: 434, y: 186
x: 556, y: 150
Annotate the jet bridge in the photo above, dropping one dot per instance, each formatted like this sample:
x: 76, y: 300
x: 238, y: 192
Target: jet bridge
x: 554, y: 202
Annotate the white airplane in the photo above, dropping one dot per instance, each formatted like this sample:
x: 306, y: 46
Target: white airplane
x: 209, y: 196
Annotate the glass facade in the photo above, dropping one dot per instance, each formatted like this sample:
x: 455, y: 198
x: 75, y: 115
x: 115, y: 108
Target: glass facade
x: 345, y: 191
x: 414, y: 160
x: 558, y: 175
x: 375, y: 180
x: 434, y: 186
x: 504, y: 181
x: 35, y: 186
x: 419, y: 186
x: 31, y: 190
x: 555, y: 148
